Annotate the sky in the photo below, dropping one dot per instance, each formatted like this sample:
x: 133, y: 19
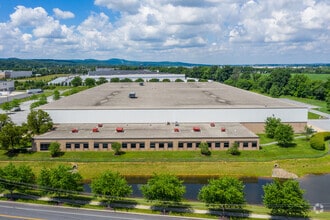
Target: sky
x: 195, y: 31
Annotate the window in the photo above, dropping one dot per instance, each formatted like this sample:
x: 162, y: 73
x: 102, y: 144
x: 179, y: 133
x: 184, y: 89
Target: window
x: 217, y: 144
x: 76, y: 145
x: 189, y: 145
x: 254, y: 144
x: 209, y: 144
x: 133, y: 145
x: 44, y: 146
x: 124, y: 145
x: 245, y: 144
x: 68, y: 145
x: 85, y: 145
x: 152, y: 144
x: 161, y: 145
x: 170, y: 145
x: 180, y: 145
x: 226, y: 144
x: 105, y: 145
x: 96, y: 145
x: 142, y: 145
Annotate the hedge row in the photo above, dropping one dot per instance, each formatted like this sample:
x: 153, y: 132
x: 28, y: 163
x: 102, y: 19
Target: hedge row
x: 317, y: 141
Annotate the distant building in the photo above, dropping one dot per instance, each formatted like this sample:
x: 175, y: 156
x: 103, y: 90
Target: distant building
x: 15, y: 74
x: 7, y: 86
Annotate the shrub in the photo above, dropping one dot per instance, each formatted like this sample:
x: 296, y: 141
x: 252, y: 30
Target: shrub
x: 233, y: 150
x: 317, y: 141
x: 204, y: 149
x: 54, y: 149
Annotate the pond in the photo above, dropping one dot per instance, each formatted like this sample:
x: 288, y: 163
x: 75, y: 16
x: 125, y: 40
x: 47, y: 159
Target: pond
x: 317, y: 188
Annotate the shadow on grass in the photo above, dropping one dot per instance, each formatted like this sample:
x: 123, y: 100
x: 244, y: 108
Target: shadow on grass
x: 230, y: 213
x: 72, y: 200
x: 289, y: 145
x: 15, y: 152
x: 172, y: 208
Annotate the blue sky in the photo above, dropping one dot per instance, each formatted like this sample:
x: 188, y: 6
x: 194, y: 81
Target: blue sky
x: 203, y: 31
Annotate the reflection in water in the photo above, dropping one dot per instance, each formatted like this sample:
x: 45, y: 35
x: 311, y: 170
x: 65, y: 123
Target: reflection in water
x: 317, y: 188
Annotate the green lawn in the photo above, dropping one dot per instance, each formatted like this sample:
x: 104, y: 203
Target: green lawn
x: 46, y: 78
x: 314, y: 76
x: 321, y: 104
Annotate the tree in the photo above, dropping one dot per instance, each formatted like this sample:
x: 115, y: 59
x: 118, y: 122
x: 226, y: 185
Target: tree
x: 116, y: 147
x: 114, y: 80
x: 39, y: 122
x: 179, y: 80
x: 308, y: 131
x: 60, y: 180
x: 56, y: 95
x: 10, y: 136
x: 225, y: 192
x: 285, y: 198
x: 165, y: 188
x: 328, y: 101
x: 284, y: 134
x: 204, y: 148
x: 101, y: 80
x: 4, y: 119
x: 271, y: 125
x: 16, y: 178
x: 90, y: 82
x: 233, y: 150
x: 6, y: 106
x: 54, y: 149
x: 76, y: 81
x: 111, y: 186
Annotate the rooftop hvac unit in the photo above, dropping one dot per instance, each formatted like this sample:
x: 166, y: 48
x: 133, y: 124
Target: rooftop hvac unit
x: 74, y: 130
x: 212, y: 124
x: 176, y: 130
x: 100, y: 125
x: 196, y: 129
x: 132, y: 95
x: 223, y: 129
x: 95, y: 130
x: 119, y: 129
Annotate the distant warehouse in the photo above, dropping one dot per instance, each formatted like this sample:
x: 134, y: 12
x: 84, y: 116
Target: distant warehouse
x: 15, y: 74
x: 164, y: 116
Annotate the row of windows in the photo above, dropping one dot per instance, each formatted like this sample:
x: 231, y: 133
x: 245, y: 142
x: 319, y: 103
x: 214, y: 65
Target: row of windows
x: 153, y: 145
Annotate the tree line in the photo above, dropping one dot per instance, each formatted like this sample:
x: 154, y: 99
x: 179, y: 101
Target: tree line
x: 224, y: 193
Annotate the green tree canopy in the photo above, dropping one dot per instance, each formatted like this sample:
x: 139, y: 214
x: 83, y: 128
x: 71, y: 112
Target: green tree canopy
x: 90, y: 82
x: 60, y: 180
x: 4, y: 119
x: 271, y: 125
x: 285, y: 198
x: 16, y: 178
x: 6, y: 106
x: 54, y: 149
x: 101, y: 80
x: 284, y: 134
x: 76, y: 81
x: 11, y: 136
x: 39, y: 122
x: 116, y: 147
x: 56, y: 95
x: 111, y: 186
x: 205, y: 149
x: 165, y: 188
x: 226, y: 192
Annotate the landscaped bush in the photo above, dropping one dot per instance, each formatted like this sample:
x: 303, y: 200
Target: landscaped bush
x: 317, y: 141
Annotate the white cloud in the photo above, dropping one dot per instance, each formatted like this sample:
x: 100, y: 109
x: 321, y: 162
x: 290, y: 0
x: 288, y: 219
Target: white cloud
x: 62, y: 14
x: 205, y: 31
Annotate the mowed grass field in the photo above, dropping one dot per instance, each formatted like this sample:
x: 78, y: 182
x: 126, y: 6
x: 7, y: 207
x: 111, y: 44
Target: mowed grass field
x: 46, y: 78
x: 300, y: 159
x: 315, y: 76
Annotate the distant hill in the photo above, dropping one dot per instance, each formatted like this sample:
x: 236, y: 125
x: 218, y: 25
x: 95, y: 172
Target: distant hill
x: 13, y: 63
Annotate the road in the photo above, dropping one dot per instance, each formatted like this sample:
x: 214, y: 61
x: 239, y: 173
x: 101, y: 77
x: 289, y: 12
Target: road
x: 13, y: 210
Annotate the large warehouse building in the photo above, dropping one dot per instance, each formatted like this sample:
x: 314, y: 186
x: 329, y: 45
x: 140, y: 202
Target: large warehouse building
x: 164, y: 116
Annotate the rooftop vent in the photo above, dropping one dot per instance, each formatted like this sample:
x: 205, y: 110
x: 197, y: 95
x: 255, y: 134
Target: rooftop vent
x: 74, y: 130
x: 223, y: 129
x: 100, y: 125
x: 132, y: 95
x: 196, y: 129
x: 212, y: 124
x: 176, y: 130
x: 141, y: 84
x: 95, y: 130
x: 119, y: 129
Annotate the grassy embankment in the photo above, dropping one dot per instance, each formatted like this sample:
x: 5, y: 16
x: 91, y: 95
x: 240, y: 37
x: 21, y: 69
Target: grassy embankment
x: 300, y: 159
